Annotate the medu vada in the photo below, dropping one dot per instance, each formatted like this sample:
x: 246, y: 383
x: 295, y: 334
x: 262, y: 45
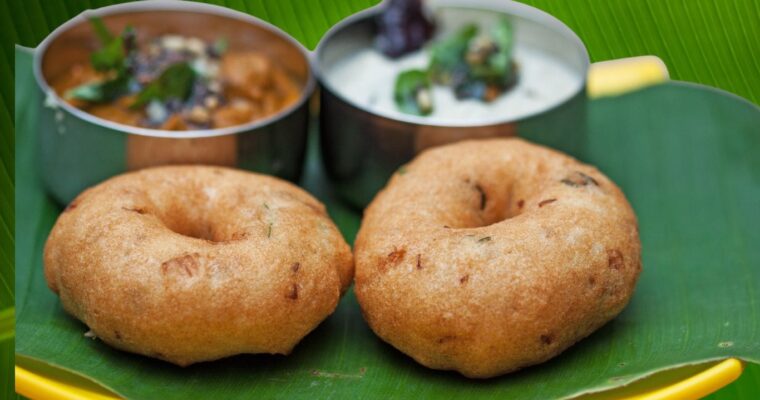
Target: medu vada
x: 489, y: 256
x: 195, y: 263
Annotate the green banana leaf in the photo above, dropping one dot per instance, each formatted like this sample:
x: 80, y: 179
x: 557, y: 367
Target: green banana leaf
x: 706, y: 41
x: 700, y: 40
x: 684, y: 155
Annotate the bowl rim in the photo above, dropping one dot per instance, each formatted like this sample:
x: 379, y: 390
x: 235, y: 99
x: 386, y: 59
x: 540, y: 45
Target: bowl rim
x: 509, y: 7
x: 52, y: 99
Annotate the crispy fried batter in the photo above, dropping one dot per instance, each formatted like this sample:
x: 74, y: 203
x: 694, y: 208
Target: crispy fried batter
x: 489, y: 256
x: 190, y: 264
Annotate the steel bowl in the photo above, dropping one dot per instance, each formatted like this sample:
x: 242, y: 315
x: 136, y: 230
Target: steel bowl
x: 362, y: 147
x: 78, y: 149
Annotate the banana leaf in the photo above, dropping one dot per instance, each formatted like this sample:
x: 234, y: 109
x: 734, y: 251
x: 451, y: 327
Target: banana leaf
x: 706, y: 41
x: 701, y: 40
x: 686, y: 157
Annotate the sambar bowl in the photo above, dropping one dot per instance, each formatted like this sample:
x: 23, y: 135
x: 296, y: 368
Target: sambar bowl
x: 78, y: 149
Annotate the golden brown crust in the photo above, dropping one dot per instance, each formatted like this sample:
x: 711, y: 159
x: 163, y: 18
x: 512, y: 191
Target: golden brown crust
x: 190, y: 264
x: 489, y: 256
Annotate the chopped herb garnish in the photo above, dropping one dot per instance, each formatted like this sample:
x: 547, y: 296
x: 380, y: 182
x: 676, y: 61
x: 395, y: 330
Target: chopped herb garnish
x: 176, y: 82
x: 104, y: 35
x: 412, y: 92
x: 475, y: 65
x: 401, y: 170
x: 269, y: 230
x: 99, y: 91
x: 495, y: 64
x: 578, y: 178
x: 111, y: 59
x: 447, y: 56
x: 219, y: 46
x: 484, y: 239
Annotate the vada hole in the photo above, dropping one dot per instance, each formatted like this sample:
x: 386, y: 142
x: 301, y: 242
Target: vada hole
x: 193, y: 229
x: 490, y: 208
x: 187, y: 224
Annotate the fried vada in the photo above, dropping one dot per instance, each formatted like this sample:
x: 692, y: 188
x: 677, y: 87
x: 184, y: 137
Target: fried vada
x: 194, y: 263
x: 489, y: 256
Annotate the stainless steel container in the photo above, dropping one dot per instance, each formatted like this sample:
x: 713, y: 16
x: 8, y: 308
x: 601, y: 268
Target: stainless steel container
x: 78, y: 150
x: 362, y: 148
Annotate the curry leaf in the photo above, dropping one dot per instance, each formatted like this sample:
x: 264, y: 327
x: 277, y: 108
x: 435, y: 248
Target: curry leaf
x: 100, y: 91
x: 112, y: 54
x: 175, y: 82
x: 447, y: 55
x: 412, y: 92
x: 104, y: 35
x: 475, y: 66
x: 503, y: 36
x: 498, y: 66
x: 109, y: 57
